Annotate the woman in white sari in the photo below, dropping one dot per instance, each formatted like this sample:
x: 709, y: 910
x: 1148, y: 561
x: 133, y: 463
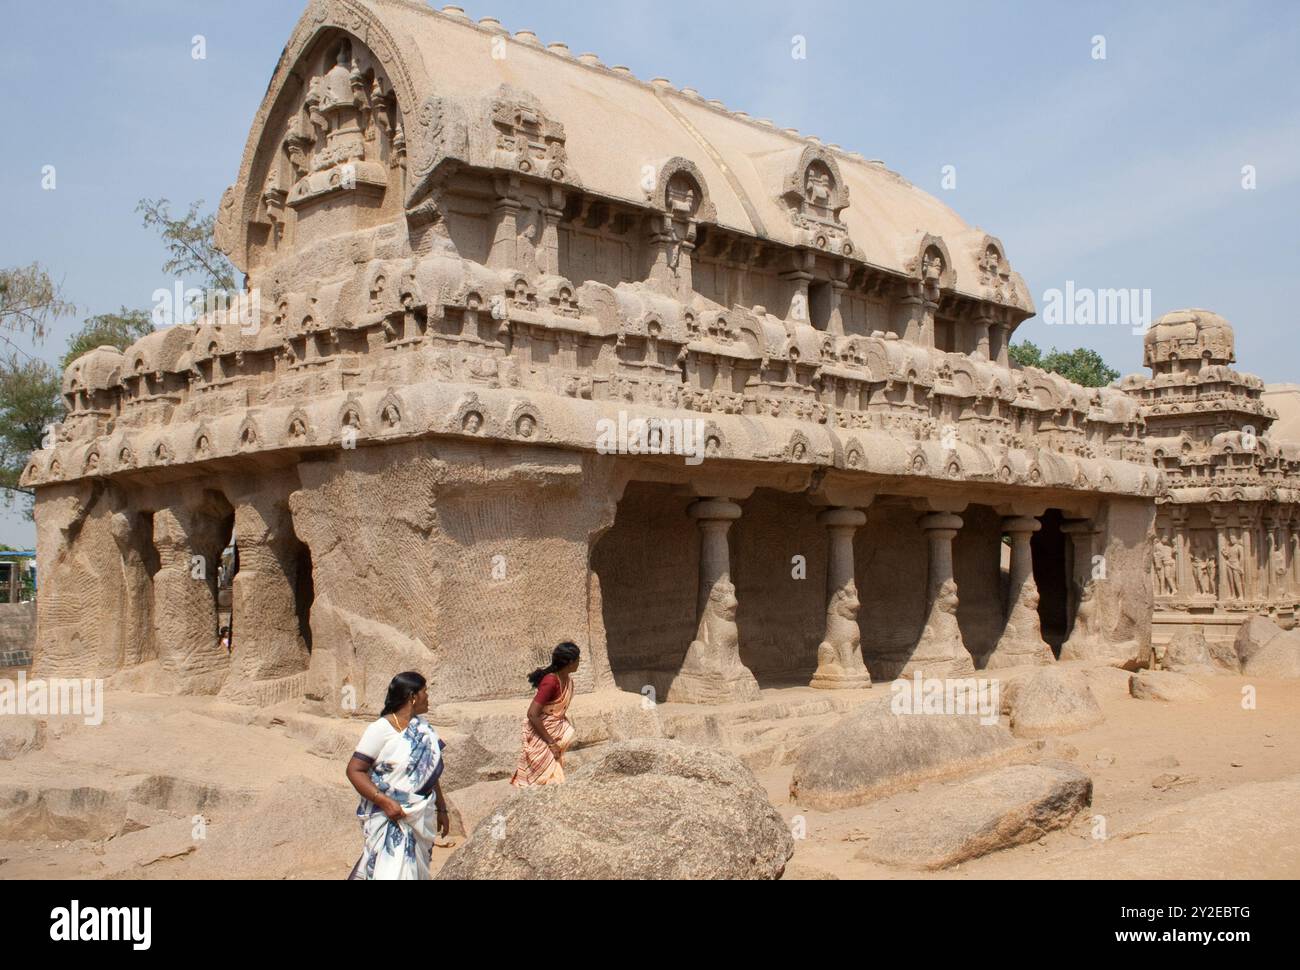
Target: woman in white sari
x: 395, y: 769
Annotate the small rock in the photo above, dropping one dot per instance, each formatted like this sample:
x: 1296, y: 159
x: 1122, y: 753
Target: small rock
x: 18, y: 735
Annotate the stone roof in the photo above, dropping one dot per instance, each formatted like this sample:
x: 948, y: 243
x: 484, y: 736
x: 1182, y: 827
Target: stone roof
x: 617, y: 125
x: 1196, y: 333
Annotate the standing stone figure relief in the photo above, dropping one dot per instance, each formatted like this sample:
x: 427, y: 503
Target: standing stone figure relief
x: 1166, y: 567
x: 1199, y: 577
x: 1234, y: 565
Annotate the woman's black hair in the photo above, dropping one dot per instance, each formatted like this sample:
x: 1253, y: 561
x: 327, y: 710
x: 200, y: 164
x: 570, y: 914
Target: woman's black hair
x: 563, y: 655
x: 400, y: 690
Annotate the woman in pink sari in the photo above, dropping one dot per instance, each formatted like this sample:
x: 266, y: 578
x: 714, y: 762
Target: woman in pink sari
x: 547, y: 732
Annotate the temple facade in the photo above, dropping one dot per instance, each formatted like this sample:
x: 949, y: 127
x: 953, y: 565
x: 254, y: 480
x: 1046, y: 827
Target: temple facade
x: 1228, y: 518
x: 542, y: 351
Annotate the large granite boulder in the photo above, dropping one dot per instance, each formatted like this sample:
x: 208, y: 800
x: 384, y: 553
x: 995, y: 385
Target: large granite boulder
x: 1165, y: 685
x: 874, y: 751
x: 1189, y: 651
x: 1055, y: 700
x: 943, y: 826
x: 1278, y: 658
x: 642, y: 809
x: 1252, y: 637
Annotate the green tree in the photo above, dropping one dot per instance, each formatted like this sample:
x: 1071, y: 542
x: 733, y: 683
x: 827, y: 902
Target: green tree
x: 1082, y: 365
x: 29, y: 300
x: 190, y: 246
x: 119, y: 330
x: 30, y: 401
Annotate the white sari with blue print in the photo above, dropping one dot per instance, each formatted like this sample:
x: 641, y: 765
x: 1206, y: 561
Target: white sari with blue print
x: 405, y: 768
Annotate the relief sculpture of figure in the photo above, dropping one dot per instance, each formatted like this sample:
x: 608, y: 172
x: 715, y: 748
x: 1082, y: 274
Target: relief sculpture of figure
x: 839, y: 655
x: 711, y: 670
x: 1166, y: 568
x: 1234, y: 564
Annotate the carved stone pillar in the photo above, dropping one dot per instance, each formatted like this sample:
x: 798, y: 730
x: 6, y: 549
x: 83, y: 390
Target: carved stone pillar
x: 929, y: 307
x: 1250, y: 548
x: 1182, y: 554
x: 185, y: 603
x: 1022, y: 637
x: 835, y: 296
x: 671, y: 248
x: 909, y: 313
x: 265, y: 633
x: 940, y: 651
x: 1293, y: 544
x: 711, y: 672
x: 503, y: 252
x: 1220, y: 522
x: 1001, y: 335
x: 839, y: 656
x: 548, y: 241
x: 798, y: 280
x: 983, y: 333
x: 1269, y: 588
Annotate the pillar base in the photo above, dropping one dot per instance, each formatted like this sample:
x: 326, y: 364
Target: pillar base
x: 837, y: 678
x: 947, y: 664
x: 1019, y: 653
x: 711, y: 680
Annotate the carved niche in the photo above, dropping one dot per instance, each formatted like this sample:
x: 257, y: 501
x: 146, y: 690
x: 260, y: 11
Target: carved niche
x: 681, y: 198
x: 815, y: 194
x: 525, y: 139
x: 345, y: 136
x: 994, y: 270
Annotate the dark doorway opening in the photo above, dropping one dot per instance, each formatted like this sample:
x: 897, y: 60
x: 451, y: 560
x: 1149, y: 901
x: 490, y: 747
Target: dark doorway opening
x: 1050, y: 548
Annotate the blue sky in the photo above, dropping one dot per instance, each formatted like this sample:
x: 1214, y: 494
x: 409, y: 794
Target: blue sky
x: 1115, y: 173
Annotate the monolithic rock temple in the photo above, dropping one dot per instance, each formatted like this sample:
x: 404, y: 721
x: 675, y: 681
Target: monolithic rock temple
x: 474, y: 255
x: 1228, y: 517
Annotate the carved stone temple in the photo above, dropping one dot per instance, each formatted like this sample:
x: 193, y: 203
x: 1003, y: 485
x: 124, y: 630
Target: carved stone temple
x: 1228, y: 520
x: 474, y: 256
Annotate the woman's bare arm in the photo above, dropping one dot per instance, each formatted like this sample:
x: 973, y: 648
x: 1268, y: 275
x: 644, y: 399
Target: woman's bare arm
x: 535, y: 719
x: 358, y: 772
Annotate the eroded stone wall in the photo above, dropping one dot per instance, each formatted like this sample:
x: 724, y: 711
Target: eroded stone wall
x: 466, y: 564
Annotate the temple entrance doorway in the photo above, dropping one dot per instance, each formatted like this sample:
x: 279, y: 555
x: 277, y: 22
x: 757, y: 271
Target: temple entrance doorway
x: 1050, y: 550
x: 647, y: 567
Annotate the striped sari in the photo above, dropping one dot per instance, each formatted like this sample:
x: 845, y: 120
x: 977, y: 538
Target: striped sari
x: 537, y: 764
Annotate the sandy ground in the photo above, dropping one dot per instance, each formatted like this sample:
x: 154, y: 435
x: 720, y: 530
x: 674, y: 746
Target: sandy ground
x: 1203, y: 788
x: 1146, y: 757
